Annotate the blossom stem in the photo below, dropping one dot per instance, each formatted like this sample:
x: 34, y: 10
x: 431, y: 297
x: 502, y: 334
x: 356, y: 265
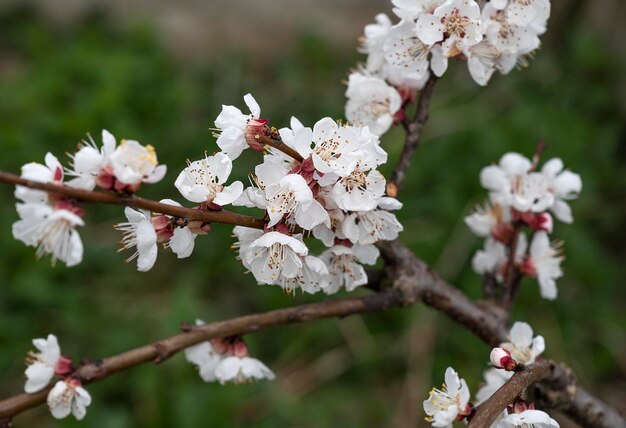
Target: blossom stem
x: 413, y: 130
x: 488, y: 411
x: 221, y: 216
x: 511, y: 275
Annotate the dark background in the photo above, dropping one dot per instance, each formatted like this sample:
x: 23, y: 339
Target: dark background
x: 159, y: 71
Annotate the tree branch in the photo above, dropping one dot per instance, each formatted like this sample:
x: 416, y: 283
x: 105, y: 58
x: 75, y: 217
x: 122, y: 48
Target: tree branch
x: 489, y: 410
x: 413, y: 137
x: 163, y: 349
x: 410, y: 280
x: 133, y: 201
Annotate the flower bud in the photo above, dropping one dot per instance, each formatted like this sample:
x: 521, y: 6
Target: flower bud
x: 501, y: 359
x: 256, y: 131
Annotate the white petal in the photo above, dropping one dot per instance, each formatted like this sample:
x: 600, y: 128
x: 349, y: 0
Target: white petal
x: 252, y: 105
x: 182, y: 242
x: 229, y: 194
x: 429, y: 29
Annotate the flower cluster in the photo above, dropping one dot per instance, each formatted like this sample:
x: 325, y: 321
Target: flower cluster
x: 523, y: 198
x: 452, y: 401
x: 332, y: 190
x: 67, y: 396
x: 497, y: 37
x: 226, y: 360
x: 402, y: 56
x: 48, y: 221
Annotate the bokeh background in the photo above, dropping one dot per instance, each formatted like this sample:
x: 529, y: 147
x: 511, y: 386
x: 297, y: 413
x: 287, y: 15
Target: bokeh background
x: 158, y: 72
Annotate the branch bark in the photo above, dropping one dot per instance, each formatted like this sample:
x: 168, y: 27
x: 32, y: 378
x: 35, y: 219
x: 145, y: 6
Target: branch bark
x: 413, y: 137
x: 133, y: 201
x: 488, y: 411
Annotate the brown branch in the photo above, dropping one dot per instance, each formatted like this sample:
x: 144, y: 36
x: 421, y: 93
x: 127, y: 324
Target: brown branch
x: 416, y: 281
x: 163, y: 349
x: 221, y: 216
x: 413, y: 137
x: 489, y: 410
x: 275, y: 141
x: 407, y: 281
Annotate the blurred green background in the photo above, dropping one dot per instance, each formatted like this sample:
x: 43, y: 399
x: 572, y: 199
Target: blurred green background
x: 159, y: 71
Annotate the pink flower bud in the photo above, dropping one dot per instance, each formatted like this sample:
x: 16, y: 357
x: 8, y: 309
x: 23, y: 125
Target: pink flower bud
x: 63, y: 367
x: 255, y: 132
x: 501, y: 359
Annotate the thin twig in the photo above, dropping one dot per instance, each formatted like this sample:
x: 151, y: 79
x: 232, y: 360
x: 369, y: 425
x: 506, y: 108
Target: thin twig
x: 413, y: 137
x: 489, y: 410
x: 221, y: 216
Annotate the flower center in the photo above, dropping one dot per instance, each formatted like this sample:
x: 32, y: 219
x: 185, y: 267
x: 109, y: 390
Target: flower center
x: 455, y: 24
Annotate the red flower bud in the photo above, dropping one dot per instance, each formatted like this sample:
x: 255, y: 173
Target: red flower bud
x: 501, y: 359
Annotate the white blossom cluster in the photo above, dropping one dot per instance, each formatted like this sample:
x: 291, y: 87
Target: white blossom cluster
x: 490, y: 36
x: 226, y: 360
x: 522, y: 198
x: 452, y: 401
x: 67, y: 396
x: 334, y: 194
x: 48, y: 221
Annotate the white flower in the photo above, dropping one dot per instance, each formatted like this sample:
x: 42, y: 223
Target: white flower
x: 524, y: 348
x: 505, y: 36
x: 51, y: 230
x: 371, y: 102
x: 245, y: 236
x: 202, y: 181
x: 242, y: 369
x: 233, y: 124
x: 456, y: 22
x: 89, y: 161
x: 512, y: 183
x: 369, y: 227
x: 275, y: 255
x: 42, y: 365
x: 494, y: 255
x: 405, y: 52
x: 444, y: 406
x: 204, y: 357
x: 372, y: 41
x: 335, y: 147
x: 292, y: 196
x: 359, y: 191
x: 68, y: 396
x: 140, y: 233
x: 343, y: 266
x: 494, y: 379
x: 544, y: 263
x: 487, y: 220
x: 51, y: 172
x: 48, y: 223
x: 411, y: 9
x: 182, y: 241
x: 528, y: 418
x: 524, y: 12
x: 328, y: 234
x: 133, y: 164
x: 312, y: 278
x: 483, y: 59
x: 565, y: 185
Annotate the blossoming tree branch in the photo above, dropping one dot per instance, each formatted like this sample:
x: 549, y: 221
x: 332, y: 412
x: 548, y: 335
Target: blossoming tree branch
x: 322, y: 182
